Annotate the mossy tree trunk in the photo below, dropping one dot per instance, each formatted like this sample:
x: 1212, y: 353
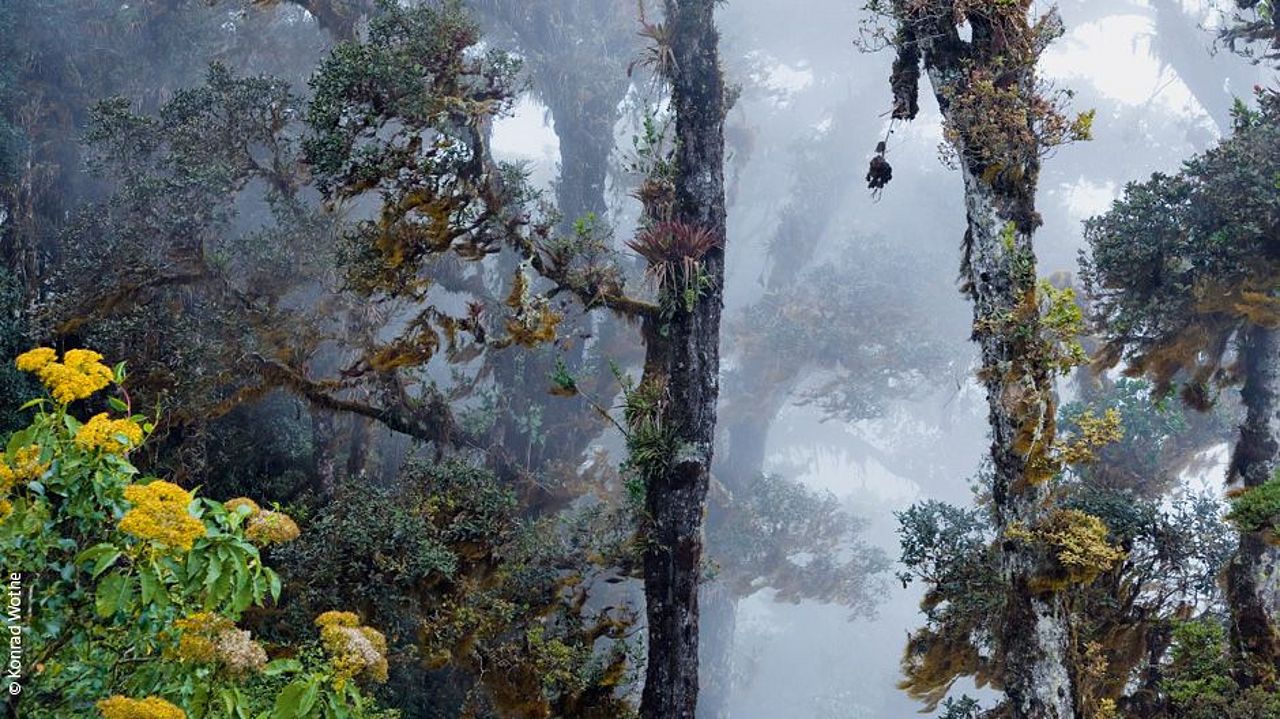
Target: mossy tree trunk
x: 1034, y: 636
x: 998, y: 150
x: 1253, y: 576
x: 584, y: 123
x: 682, y: 354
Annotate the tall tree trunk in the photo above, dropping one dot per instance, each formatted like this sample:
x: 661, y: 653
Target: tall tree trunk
x: 324, y: 443
x: 1180, y: 42
x: 719, y: 625
x: 682, y: 354
x: 765, y: 382
x: 744, y: 455
x: 1253, y: 576
x: 584, y: 125
x: 999, y: 272
x: 1035, y: 640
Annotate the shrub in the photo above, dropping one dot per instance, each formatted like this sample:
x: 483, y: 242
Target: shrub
x: 134, y: 584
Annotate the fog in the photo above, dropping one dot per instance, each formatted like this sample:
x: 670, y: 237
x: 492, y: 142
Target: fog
x: 807, y: 79
x: 847, y: 361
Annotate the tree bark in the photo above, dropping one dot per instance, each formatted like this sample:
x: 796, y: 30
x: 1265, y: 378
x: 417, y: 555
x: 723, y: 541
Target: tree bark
x: 999, y: 276
x: 682, y: 352
x: 1035, y: 639
x: 1253, y: 575
x: 585, y: 128
x: 719, y: 625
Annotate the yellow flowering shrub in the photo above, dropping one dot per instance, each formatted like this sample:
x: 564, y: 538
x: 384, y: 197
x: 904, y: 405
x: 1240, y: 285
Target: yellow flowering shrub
x: 267, y: 527
x: 234, y: 505
x: 109, y: 435
x: 118, y: 707
x: 263, y: 526
x: 23, y: 466
x: 211, y: 638
x: 334, y: 618
x: 355, y: 650
x: 79, y: 374
x: 160, y: 515
x: 36, y: 359
x: 198, y: 630
x: 164, y: 585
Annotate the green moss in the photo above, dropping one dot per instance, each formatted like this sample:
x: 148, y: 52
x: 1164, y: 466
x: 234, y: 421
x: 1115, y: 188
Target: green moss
x: 1197, y: 678
x: 1257, y: 509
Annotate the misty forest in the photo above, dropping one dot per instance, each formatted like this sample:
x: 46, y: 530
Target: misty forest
x: 640, y: 359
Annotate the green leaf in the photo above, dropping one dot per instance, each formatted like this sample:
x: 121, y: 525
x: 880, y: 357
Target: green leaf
x: 213, y: 573
x: 243, y: 596
x: 117, y: 404
x: 337, y: 708
x: 228, y: 700
x: 102, y: 555
x: 126, y: 594
x: 308, y: 699
x: 105, y: 561
x: 281, y: 666
x: 107, y: 599
x: 289, y: 700
x: 151, y: 587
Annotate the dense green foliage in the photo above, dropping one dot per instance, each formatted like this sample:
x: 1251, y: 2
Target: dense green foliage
x: 1198, y: 681
x: 1182, y: 262
x: 135, y: 585
x: 1126, y: 588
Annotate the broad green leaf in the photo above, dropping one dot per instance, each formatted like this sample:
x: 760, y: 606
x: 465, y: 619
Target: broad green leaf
x: 281, y: 666
x: 308, y: 699
x: 289, y: 700
x: 104, y: 562
x: 107, y: 598
x: 275, y: 585
x: 150, y: 584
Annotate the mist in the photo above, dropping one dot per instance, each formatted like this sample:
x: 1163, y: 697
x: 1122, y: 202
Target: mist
x: 509, y: 408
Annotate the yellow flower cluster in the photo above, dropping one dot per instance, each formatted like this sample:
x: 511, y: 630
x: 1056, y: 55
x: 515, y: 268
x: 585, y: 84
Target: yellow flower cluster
x: 118, y: 707
x: 335, y: 618
x: 233, y: 505
x: 208, y: 637
x: 198, y: 630
x: 264, y: 526
x: 355, y: 650
x: 160, y: 515
x: 113, y: 436
x: 78, y: 375
x: 23, y: 466
x: 271, y: 528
